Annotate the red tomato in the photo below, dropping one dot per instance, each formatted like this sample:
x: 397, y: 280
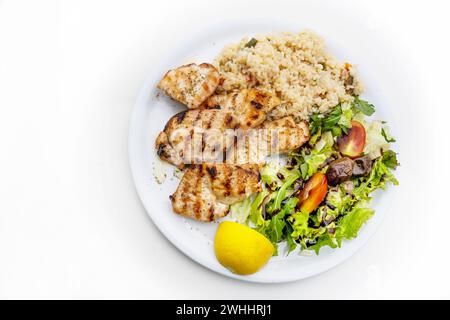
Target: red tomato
x: 352, y: 144
x: 313, y: 193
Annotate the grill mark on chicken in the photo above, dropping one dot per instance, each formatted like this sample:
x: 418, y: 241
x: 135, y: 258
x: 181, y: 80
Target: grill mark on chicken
x: 197, y: 119
x: 211, y: 214
x: 161, y: 148
x: 212, y: 120
x: 204, y: 196
x: 234, y: 97
x: 180, y: 116
x: 228, y: 119
x: 203, y: 141
x: 197, y: 194
x: 240, y: 187
x: 227, y: 184
x: 212, y: 171
x: 256, y: 105
x: 184, y: 201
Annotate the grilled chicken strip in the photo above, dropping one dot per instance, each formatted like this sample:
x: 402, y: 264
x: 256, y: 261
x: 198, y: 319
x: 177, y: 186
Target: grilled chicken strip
x: 272, y: 137
x: 191, y: 84
x: 202, y: 135
x: 250, y: 106
x: 286, y: 135
x: 195, y: 136
x: 207, y: 190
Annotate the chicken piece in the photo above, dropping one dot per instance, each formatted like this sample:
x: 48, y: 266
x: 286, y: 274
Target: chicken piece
x: 195, y: 136
x: 207, y: 190
x: 203, y: 135
x: 272, y: 137
x: 191, y: 84
x: 284, y: 135
x: 200, y: 135
x: 250, y: 106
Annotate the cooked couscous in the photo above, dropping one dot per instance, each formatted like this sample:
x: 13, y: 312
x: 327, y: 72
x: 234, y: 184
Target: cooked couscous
x: 294, y: 66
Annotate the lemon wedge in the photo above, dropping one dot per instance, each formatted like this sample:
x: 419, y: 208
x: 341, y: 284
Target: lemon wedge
x: 241, y: 249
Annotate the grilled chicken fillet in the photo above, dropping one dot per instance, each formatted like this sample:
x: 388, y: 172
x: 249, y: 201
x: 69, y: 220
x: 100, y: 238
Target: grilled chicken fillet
x: 250, y: 106
x: 202, y: 135
x: 272, y: 137
x: 285, y: 134
x: 191, y: 84
x: 207, y: 190
x: 195, y: 136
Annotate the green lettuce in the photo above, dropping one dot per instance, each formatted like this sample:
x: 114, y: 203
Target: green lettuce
x: 281, y: 193
x: 376, y: 142
x: 312, y: 159
x: 256, y: 208
x: 337, y: 120
x: 276, y: 228
x: 363, y: 106
x: 349, y: 225
x: 390, y: 159
x: 269, y: 175
x: 240, y: 211
x: 379, y: 176
x: 325, y: 240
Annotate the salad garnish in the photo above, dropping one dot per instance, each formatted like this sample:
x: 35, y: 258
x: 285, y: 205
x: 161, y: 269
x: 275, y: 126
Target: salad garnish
x: 322, y: 195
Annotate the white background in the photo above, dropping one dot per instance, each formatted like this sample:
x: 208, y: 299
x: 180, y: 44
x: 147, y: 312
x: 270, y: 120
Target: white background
x: 71, y: 224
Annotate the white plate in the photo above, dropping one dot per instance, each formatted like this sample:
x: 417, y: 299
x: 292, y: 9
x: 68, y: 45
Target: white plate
x: 151, y: 112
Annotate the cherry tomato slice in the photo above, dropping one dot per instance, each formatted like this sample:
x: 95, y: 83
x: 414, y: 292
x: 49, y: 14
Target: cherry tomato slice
x: 313, y: 193
x: 352, y: 144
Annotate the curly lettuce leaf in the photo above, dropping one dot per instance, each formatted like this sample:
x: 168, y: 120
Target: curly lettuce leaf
x: 379, y: 176
x: 291, y: 245
x: 312, y: 159
x: 312, y: 164
x: 301, y: 231
x: 240, y: 211
x: 325, y: 143
x: 299, y: 223
x: 269, y: 175
x: 277, y: 229
x: 349, y: 225
x: 376, y: 143
x: 339, y: 200
x: 325, y: 240
x: 277, y: 223
x: 390, y: 159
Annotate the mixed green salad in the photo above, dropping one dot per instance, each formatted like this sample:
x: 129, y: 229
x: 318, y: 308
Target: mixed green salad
x: 321, y: 195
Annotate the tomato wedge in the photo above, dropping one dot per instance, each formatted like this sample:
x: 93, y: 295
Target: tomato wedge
x: 352, y: 144
x: 313, y: 193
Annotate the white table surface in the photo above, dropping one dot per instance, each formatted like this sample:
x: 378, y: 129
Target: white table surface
x: 71, y: 224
